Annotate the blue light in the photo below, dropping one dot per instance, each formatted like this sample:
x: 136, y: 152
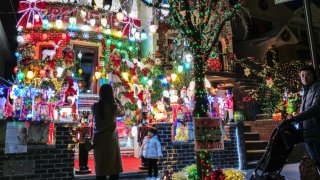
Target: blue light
x: 17, y: 54
x: 132, y: 39
x: 1, y: 91
x: 238, y: 150
x: 187, y: 65
x: 45, y: 23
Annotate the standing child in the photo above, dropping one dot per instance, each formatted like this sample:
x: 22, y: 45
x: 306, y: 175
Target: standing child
x: 152, y: 151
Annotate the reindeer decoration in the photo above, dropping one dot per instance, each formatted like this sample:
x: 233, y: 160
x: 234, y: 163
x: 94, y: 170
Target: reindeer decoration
x: 50, y: 53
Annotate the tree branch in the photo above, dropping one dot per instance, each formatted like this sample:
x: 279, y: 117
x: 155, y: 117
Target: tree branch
x: 217, y: 34
x: 188, y: 16
x: 208, y: 16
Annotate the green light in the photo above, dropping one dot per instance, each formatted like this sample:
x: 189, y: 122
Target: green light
x: 130, y: 48
x: 119, y: 44
x: 20, y: 76
x: 108, y: 41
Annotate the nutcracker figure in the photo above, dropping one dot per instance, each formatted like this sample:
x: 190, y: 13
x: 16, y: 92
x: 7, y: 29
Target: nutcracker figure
x: 84, y: 135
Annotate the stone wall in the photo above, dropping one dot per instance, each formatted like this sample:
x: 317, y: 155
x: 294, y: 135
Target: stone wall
x: 177, y: 155
x: 54, y: 162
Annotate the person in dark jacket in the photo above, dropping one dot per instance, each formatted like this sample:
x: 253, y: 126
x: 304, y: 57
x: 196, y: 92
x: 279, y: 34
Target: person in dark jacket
x: 106, y: 147
x: 310, y: 113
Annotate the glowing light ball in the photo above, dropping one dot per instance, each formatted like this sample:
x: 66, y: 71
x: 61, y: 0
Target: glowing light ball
x: 30, y: 74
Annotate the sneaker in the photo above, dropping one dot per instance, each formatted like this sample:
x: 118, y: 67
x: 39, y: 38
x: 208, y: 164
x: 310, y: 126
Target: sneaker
x: 149, y: 178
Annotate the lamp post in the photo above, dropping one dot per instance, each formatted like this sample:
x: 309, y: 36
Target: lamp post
x: 308, y: 19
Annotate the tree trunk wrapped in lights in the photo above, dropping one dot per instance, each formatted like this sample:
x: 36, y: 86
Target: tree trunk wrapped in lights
x: 201, y: 22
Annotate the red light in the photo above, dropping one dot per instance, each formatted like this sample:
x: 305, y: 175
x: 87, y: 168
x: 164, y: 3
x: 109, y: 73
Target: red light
x: 15, y: 70
x: 28, y: 36
x: 44, y: 36
x: 64, y: 36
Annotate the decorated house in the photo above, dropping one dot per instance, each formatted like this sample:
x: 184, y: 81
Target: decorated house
x: 68, y: 49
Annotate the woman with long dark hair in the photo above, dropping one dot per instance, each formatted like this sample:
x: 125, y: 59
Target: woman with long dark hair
x: 105, y: 142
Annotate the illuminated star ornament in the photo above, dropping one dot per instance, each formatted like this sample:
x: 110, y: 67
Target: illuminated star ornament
x: 247, y: 71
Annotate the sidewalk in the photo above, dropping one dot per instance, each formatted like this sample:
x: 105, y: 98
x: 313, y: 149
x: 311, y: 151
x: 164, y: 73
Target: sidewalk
x: 290, y: 171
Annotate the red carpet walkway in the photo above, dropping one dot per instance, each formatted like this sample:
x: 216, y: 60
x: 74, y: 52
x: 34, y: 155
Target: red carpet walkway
x: 130, y: 164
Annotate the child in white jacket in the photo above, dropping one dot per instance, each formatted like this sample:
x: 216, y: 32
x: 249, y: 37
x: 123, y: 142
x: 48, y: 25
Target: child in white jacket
x: 152, y: 151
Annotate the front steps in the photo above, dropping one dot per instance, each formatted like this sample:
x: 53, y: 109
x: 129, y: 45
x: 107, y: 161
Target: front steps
x: 255, y: 148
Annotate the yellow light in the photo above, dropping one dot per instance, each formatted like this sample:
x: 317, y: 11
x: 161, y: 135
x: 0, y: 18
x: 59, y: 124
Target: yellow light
x: 29, y: 25
x: 59, y: 23
x: 37, y: 17
x: 80, y: 71
x: 120, y: 16
x: 30, y: 74
x: 119, y: 33
x: 125, y: 76
x: 173, y: 77
x: 97, y: 75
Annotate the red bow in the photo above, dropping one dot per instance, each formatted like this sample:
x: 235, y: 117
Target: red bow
x: 129, y: 22
x: 130, y: 95
x: 133, y: 71
x: 29, y: 9
x: 140, y: 95
x: 145, y: 72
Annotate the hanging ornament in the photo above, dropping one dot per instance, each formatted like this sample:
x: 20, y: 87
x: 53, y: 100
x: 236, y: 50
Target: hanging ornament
x: 92, y: 22
x: 30, y: 75
x: 189, y: 57
x: 120, y: 15
x: 45, y: 23
x: 247, y: 71
x: 108, y: 30
x: 165, y: 8
x: 83, y: 14
x: 20, y: 39
x: 20, y: 75
x: 180, y: 69
x: 37, y: 17
x: 29, y: 25
x: 143, y: 35
x: 133, y: 30
x: 153, y: 28
x: 104, y: 22
x: 72, y: 20
x: 59, y: 22
x: 173, y: 76
x: 15, y: 70
x: 137, y: 36
x: 80, y: 71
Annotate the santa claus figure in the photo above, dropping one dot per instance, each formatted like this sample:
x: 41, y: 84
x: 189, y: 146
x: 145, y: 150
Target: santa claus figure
x: 70, y: 95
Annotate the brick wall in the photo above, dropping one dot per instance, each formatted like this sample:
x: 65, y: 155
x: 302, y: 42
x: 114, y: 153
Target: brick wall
x: 264, y: 127
x: 177, y: 155
x: 54, y: 162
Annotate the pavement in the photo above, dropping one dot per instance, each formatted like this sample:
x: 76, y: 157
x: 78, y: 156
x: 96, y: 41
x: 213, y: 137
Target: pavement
x: 290, y: 171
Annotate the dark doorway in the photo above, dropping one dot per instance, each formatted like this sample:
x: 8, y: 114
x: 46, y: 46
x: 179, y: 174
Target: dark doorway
x: 88, y: 63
